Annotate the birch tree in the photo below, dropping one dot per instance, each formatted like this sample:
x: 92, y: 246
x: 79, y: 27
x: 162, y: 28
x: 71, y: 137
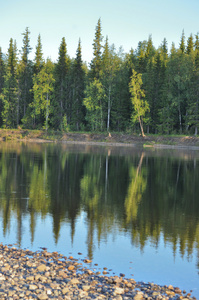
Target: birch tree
x: 137, y: 97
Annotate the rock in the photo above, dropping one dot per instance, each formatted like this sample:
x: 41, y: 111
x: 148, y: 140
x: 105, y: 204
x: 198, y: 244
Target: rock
x: 71, y: 267
x: 138, y: 297
x: 48, y: 276
x: 30, y: 278
x: 83, y: 294
x: 33, y: 287
x: 118, y: 291
x: 74, y: 281
x: 41, y: 268
x: 42, y: 297
x: 86, y: 288
x: 65, y: 290
x: 170, y: 287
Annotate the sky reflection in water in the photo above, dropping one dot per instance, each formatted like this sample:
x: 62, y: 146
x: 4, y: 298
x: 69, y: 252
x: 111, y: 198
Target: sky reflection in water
x: 132, y: 211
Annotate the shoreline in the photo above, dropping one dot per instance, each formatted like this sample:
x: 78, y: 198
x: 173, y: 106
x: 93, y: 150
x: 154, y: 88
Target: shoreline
x: 101, y: 139
x: 25, y: 274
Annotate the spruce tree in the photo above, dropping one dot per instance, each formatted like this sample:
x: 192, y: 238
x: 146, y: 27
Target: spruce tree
x: 190, y: 45
x: 182, y: 43
x: 97, y: 52
x: 2, y: 71
x: 10, y: 97
x: 38, y: 61
x: 43, y: 91
x: 2, y: 80
x: 110, y: 66
x: 61, y: 105
x: 25, y: 74
x: 78, y: 86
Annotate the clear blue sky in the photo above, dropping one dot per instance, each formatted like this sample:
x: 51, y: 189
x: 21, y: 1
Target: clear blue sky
x: 125, y: 22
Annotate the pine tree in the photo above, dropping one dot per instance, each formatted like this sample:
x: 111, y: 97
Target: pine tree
x: 190, y: 45
x: 182, y: 42
x: 110, y: 65
x: 10, y: 98
x: 196, y: 44
x: 2, y: 71
x: 61, y: 97
x: 122, y: 106
x: 141, y: 57
x: 78, y: 111
x: 150, y: 50
x: 38, y: 61
x: 42, y: 89
x: 2, y: 80
x: 25, y: 74
x: 97, y: 52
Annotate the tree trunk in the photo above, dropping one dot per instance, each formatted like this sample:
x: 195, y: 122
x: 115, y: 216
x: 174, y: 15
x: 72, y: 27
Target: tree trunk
x: 109, y: 108
x: 196, y: 130
x: 141, y: 127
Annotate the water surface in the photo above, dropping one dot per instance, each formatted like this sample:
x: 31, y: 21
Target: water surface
x: 131, y: 210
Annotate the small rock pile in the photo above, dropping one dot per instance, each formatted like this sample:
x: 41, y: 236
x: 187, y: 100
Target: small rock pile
x: 42, y: 275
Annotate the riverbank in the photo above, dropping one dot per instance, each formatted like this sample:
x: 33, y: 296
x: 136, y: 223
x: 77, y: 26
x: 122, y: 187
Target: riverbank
x: 155, y: 141
x: 42, y: 275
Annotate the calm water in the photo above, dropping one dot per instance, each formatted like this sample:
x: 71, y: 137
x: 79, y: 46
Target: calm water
x: 133, y: 211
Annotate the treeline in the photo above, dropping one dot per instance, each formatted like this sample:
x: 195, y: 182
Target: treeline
x: 69, y: 95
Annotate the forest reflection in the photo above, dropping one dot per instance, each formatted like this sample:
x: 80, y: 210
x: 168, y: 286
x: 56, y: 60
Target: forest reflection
x: 144, y: 193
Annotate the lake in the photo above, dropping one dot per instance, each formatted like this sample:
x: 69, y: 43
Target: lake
x: 134, y: 211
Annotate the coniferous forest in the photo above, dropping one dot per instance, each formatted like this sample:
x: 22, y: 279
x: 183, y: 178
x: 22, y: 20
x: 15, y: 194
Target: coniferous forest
x: 155, y: 90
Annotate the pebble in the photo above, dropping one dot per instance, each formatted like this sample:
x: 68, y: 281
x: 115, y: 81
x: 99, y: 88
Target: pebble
x: 43, y: 275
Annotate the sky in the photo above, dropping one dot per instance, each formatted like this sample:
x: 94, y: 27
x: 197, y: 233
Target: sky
x: 125, y: 22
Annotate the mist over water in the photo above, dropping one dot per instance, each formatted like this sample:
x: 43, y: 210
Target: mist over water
x: 133, y: 211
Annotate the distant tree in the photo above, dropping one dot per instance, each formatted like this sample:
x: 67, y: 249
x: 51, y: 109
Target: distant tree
x: 97, y: 52
x: 2, y: 71
x: 25, y: 71
x: 78, y: 86
x: 121, y: 106
x: 179, y: 72
x: 139, y: 104
x: 10, y: 97
x: 182, y: 42
x: 141, y: 57
x: 93, y: 101
x: 42, y: 89
x: 192, y: 116
x: 110, y: 66
x: 38, y: 61
x: 61, y: 103
x: 190, y: 45
x: 2, y: 80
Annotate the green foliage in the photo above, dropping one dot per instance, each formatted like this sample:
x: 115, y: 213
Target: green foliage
x: 170, y: 85
x: 38, y: 61
x: 61, y: 104
x: 78, y: 87
x: 139, y: 104
x: 97, y: 52
x: 42, y: 90
x: 94, y: 101
x: 10, y: 95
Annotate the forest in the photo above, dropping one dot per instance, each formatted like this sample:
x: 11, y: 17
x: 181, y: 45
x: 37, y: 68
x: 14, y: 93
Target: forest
x: 156, y: 90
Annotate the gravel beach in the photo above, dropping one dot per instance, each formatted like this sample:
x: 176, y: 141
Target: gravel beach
x: 42, y: 275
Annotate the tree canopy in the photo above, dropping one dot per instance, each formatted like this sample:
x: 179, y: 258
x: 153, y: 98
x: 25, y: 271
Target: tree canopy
x: 102, y: 95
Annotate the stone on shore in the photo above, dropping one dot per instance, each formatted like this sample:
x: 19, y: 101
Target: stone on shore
x: 43, y: 275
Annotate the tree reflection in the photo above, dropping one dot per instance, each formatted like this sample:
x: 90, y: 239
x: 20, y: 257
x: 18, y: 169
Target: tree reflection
x: 143, y: 194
